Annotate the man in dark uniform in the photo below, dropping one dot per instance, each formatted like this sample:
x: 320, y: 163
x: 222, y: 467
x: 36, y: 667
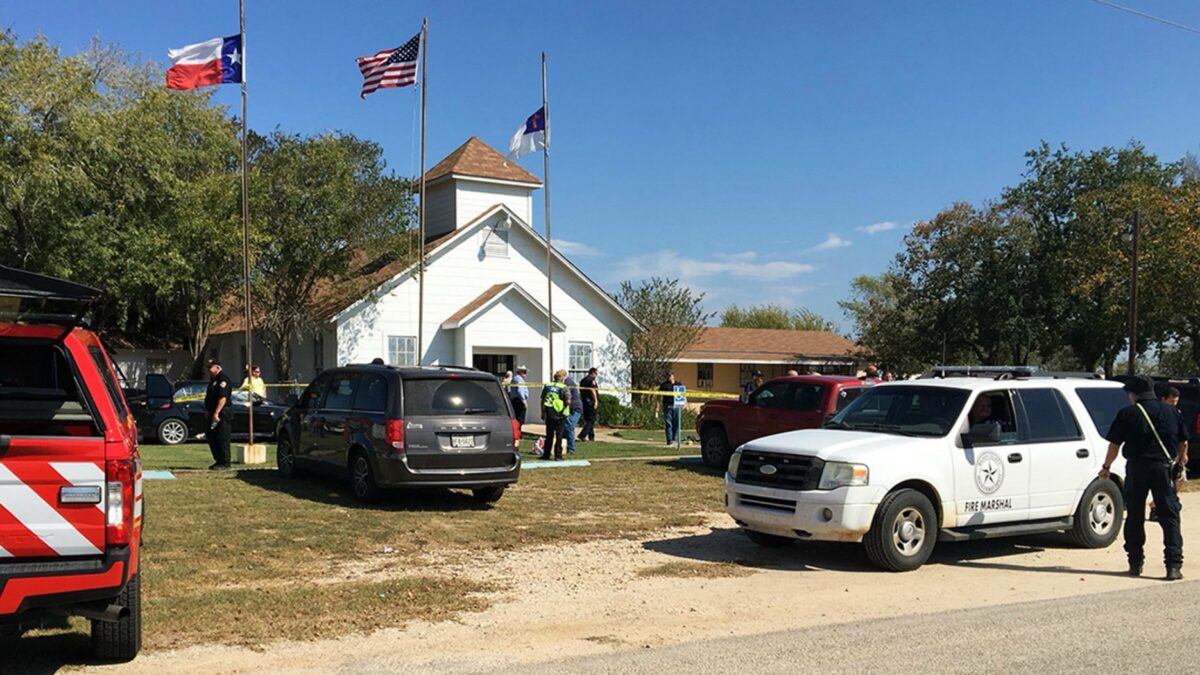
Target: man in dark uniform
x: 1152, y: 436
x: 216, y: 404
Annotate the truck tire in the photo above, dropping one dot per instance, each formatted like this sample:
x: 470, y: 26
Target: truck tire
x: 488, y: 495
x: 285, y: 457
x: 904, y: 532
x: 1099, y: 515
x: 768, y: 540
x: 121, y: 640
x: 362, y: 478
x: 173, y: 431
x: 714, y: 447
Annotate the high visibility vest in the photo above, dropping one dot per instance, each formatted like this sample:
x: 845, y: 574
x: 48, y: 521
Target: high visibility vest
x: 552, y: 397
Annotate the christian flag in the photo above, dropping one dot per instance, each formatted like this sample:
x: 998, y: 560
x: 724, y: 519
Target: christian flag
x: 215, y: 61
x: 530, y: 136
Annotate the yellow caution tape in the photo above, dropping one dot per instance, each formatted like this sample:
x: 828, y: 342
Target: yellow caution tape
x: 691, y: 393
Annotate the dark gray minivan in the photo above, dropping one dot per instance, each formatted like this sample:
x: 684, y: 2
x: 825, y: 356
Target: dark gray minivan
x: 384, y: 426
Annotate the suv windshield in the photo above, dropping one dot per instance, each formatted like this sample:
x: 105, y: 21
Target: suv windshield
x: 907, y: 410
x: 455, y: 396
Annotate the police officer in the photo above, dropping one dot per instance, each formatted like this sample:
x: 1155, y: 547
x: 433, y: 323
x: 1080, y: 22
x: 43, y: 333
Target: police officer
x: 1151, y: 436
x: 220, y: 414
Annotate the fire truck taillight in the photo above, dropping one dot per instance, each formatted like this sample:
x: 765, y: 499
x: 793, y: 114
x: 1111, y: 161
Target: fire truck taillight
x: 119, y: 506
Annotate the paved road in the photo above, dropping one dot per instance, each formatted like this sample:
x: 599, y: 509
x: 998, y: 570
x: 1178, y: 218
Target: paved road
x: 1146, y: 630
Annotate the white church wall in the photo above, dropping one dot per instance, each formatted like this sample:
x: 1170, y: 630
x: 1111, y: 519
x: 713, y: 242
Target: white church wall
x: 473, y: 198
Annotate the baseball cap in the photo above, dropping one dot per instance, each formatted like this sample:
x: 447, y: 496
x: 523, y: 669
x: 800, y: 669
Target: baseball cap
x: 1141, y: 386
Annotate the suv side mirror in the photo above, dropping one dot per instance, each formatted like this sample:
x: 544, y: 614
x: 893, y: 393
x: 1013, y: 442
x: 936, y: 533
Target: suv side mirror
x: 984, y: 432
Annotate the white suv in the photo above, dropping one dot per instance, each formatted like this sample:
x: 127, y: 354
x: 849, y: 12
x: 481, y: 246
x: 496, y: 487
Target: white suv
x: 911, y: 463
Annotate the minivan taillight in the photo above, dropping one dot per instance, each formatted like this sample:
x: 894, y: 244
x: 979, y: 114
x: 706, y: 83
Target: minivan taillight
x: 516, y: 435
x: 118, y: 511
x: 394, y: 431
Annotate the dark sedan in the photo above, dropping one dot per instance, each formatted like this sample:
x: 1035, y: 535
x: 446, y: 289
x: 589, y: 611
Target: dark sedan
x: 173, y: 414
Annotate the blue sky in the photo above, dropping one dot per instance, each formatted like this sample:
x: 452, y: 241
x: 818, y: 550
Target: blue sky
x: 760, y: 151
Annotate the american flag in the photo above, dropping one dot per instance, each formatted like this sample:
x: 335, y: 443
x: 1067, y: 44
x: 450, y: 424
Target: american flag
x: 391, y: 67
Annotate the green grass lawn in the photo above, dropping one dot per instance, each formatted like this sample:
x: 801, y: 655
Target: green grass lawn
x: 187, y: 456
x: 655, y: 435
x: 603, y: 450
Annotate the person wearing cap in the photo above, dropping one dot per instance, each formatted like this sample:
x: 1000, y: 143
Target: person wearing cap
x: 756, y: 380
x: 871, y: 373
x: 1152, y: 437
x: 518, y: 393
x: 219, y: 414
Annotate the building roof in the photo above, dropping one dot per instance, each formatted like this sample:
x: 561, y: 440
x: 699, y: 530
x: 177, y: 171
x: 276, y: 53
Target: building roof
x: 469, y: 311
x: 767, y: 345
x: 480, y: 160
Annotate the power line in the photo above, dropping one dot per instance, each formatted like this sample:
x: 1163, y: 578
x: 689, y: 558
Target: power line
x: 1144, y: 15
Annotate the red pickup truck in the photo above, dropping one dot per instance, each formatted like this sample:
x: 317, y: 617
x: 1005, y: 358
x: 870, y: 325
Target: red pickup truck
x: 70, y: 473
x: 781, y: 404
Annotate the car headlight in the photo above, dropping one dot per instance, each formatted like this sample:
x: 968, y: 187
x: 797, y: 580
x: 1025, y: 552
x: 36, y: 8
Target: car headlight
x: 842, y: 474
x: 733, y: 463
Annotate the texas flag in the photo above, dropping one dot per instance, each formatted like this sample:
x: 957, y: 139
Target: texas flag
x: 215, y: 61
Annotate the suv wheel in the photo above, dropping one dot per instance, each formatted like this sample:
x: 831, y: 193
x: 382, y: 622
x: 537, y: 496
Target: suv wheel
x: 285, y: 458
x: 1099, y: 515
x: 362, y: 478
x: 714, y: 448
x: 172, y: 431
x: 768, y: 540
x: 121, y: 640
x: 904, y: 532
x: 488, y: 495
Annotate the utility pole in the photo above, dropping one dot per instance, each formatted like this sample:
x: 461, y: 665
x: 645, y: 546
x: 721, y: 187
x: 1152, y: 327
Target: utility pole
x: 1134, y: 227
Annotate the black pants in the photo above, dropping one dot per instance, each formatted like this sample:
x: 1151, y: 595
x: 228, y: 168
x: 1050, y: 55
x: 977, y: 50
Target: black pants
x: 589, y: 424
x: 1153, y: 477
x: 556, y: 429
x: 218, y: 441
x: 519, y: 408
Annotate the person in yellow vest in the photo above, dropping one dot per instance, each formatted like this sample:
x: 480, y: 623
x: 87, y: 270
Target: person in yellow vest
x: 255, y: 383
x: 554, y: 412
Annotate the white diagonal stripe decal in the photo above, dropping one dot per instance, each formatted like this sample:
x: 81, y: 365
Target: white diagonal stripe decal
x: 4, y: 554
x: 40, y: 518
x: 81, y: 474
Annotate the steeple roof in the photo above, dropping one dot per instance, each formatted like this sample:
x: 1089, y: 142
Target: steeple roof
x: 480, y: 160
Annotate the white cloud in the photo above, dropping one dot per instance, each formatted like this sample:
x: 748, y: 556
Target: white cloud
x: 570, y: 248
x: 831, y: 242
x: 876, y: 228
x: 745, y: 265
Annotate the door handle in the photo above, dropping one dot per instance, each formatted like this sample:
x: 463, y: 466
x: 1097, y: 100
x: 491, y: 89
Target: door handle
x: 1014, y: 458
x: 1081, y: 453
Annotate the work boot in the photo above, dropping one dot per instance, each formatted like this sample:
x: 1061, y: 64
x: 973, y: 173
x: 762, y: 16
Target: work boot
x: 1174, y: 574
x: 1135, y: 569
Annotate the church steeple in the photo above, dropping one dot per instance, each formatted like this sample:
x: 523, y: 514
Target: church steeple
x: 470, y: 180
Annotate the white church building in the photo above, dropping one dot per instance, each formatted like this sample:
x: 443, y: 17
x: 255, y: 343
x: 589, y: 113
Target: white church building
x: 485, y: 292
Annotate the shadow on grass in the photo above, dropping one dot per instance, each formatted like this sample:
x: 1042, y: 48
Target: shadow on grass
x: 330, y: 490
x: 724, y: 545
x: 691, y: 466
x: 45, y: 652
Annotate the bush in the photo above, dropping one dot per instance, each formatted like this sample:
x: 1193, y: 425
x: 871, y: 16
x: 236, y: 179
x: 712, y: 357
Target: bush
x: 641, y: 415
x: 611, y: 413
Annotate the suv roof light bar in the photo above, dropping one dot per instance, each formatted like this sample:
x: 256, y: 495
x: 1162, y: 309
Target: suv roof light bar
x: 1004, y: 372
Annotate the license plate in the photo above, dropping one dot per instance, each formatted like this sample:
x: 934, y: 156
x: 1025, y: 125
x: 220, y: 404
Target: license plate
x: 458, y: 441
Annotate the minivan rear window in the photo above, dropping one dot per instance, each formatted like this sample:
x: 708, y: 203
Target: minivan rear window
x: 442, y: 398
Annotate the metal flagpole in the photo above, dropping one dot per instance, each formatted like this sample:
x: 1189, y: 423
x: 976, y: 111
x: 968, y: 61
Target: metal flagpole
x: 549, y: 248
x: 246, y: 225
x: 421, y: 215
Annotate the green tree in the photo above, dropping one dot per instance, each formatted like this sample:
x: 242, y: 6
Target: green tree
x: 775, y: 316
x: 672, y: 319
x: 317, y: 202
x: 884, y: 325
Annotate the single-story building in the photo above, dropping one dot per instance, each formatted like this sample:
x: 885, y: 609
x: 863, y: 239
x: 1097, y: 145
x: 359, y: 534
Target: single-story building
x: 723, y: 359
x: 486, y: 301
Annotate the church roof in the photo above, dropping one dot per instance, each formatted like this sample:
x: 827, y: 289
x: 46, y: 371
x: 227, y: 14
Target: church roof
x: 480, y: 160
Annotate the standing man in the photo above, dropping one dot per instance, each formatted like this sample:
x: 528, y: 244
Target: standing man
x: 574, y: 412
x: 216, y: 404
x: 591, y: 403
x: 669, y: 411
x: 756, y: 380
x: 554, y: 413
x: 1146, y: 432
x: 519, y: 394
x: 255, y: 383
